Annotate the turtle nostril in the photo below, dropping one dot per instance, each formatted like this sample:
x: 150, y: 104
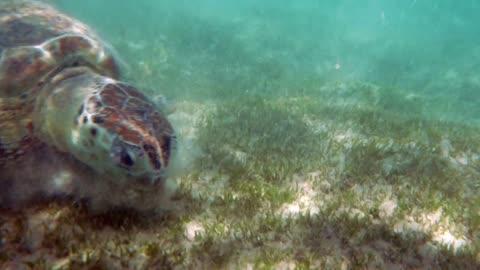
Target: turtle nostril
x: 93, y: 132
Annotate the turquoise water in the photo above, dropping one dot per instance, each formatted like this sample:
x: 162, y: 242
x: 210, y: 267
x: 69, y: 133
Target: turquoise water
x: 243, y: 47
x: 311, y: 135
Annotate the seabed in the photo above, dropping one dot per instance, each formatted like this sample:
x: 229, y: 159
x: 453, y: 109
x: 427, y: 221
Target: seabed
x: 283, y: 170
x: 306, y: 185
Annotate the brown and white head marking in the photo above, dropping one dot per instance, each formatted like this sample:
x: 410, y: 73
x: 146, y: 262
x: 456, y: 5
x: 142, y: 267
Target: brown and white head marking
x: 118, y: 131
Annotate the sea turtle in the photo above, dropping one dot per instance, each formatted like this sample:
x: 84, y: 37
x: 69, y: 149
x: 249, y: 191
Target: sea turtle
x: 67, y: 124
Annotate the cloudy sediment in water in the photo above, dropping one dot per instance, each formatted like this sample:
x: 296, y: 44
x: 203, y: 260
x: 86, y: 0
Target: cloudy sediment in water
x: 312, y: 135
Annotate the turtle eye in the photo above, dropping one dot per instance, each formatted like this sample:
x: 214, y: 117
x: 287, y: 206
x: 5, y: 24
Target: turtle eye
x: 126, y: 159
x: 123, y: 154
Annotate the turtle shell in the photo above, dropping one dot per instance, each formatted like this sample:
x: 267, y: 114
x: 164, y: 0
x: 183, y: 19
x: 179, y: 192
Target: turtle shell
x: 37, y: 41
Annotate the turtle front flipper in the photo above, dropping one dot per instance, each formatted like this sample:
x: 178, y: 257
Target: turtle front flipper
x: 106, y: 124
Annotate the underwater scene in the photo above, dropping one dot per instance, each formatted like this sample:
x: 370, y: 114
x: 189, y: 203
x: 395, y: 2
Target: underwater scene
x: 308, y: 134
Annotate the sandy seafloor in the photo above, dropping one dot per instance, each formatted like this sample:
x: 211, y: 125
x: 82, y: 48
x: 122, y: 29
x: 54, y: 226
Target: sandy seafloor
x: 295, y: 154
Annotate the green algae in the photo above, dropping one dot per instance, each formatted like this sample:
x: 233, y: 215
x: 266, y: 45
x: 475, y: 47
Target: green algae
x: 267, y: 132
x: 259, y: 165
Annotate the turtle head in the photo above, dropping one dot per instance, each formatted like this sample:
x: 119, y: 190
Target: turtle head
x: 108, y: 125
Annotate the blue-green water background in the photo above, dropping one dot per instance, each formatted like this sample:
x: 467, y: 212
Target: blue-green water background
x: 319, y: 134
x: 222, y: 49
